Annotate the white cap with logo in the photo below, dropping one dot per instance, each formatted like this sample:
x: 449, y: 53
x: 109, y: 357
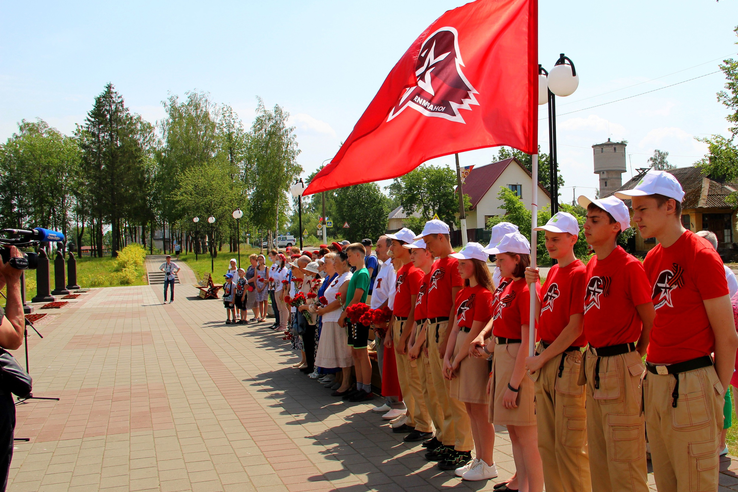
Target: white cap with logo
x: 419, y: 244
x: 499, y: 231
x: 434, y: 226
x: 655, y: 183
x: 613, y: 206
x: 513, y: 242
x: 561, y: 222
x: 472, y: 251
x: 405, y: 235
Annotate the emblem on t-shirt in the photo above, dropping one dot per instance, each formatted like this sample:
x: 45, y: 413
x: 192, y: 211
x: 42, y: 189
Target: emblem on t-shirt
x: 503, y: 303
x: 421, y: 292
x: 437, y: 275
x: 378, y: 285
x: 465, y: 305
x: 666, y: 282
x: 552, y: 294
x: 597, y: 286
x: 399, y: 281
x: 498, y: 291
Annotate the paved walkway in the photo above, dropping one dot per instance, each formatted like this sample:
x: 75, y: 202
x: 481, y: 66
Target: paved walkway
x: 168, y: 397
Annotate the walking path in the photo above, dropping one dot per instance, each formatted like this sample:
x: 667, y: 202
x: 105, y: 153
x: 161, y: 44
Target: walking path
x: 168, y: 397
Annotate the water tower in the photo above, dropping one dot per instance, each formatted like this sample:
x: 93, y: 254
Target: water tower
x: 609, y: 163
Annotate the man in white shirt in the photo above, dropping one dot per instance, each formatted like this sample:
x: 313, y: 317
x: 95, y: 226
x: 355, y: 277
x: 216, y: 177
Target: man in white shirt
x: 170, y: 269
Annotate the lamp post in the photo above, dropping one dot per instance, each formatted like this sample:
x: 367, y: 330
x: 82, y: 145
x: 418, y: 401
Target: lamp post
x: 211, y: 221
x: 197, y: 245
x: 237, y: 214
x: 297, y: 190
x: 561, y: 81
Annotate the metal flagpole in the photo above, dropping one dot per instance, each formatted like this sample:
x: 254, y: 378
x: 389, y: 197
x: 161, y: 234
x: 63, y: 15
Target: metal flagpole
x: 462, y: 214
x: 533, y: 251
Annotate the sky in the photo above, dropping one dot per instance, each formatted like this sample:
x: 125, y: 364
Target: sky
x: 323, y: 62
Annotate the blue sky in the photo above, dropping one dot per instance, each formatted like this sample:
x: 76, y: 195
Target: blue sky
x: 323, y: 61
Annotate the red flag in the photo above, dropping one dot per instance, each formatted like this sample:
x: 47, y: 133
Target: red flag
x: 469, y: 81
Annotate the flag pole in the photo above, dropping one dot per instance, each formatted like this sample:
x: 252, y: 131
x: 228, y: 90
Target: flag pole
x: 533, y: 251
x: 462, y: 213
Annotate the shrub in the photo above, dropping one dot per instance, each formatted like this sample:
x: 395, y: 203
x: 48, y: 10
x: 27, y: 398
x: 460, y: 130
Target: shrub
x: 132, y: 256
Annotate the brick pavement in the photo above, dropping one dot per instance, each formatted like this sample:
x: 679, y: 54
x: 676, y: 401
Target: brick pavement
x: 167, y: 397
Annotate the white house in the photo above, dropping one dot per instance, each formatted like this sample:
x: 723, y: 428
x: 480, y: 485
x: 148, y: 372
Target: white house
x: 483, y: 185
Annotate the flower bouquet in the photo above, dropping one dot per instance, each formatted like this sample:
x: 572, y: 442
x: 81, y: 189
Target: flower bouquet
x: 380, y: 318
x: 298, y: 301
x: 356, y: 314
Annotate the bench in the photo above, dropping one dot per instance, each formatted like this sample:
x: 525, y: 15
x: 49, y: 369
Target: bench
x: 208, y: 290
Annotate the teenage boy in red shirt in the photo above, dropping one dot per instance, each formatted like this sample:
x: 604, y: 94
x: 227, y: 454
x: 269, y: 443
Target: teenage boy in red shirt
x: 618, y: 315
x: 684, y: 390
x: 560, y: 411
x: 408, y: 282
x: 455, y: 436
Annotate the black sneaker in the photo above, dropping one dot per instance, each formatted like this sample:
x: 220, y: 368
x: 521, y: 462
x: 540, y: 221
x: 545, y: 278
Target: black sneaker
x: 455, y: 459
x: 417, y: 436
x: 361, y: 396
x: 351, y: 394
x: 431, y: 444
x: 438, y: 454
x: 403, y: 429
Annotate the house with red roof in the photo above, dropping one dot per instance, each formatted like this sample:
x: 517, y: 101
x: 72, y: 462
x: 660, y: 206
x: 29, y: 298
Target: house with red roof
x: 483, y: 186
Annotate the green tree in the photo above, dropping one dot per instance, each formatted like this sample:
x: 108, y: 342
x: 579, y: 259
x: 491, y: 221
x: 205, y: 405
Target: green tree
x: 428, y: 190
x: 364, y: 207
x: 271, y: 157
x: 721, y: 161
x: 114, y: 163
x: 659, y: 160
x: 526, y: 160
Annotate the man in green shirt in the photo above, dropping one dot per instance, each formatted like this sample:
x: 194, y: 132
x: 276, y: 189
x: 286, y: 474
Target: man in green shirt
x: 358, y: 334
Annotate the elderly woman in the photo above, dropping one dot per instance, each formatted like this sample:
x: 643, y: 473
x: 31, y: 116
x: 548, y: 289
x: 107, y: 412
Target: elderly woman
x: 251, y: 302
x: 262, y: 292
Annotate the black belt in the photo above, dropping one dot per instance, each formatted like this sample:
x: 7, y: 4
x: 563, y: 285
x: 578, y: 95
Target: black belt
x: 465, y: 329
x: 676, y: 369
x: 610, y: 351
x: 439, y: 319
x: 571, y: 348
x: 613, y: 350
x: 507, y: 341
x: 401, y: 320
x: 419, y: 322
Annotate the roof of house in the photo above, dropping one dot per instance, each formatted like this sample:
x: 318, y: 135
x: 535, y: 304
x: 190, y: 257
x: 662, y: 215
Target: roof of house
x: 699, y: 190
x: 399, y: 213
x: 482, y: 178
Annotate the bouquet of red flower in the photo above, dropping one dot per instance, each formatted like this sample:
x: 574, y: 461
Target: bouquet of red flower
x: 356, y: 311
x: 298, y: 301
x: 381, y: 316
x: 312, y: 295
x: 323, y: 301
x: 288, y: 300
x: 366, y: 318
x: 285, y: 282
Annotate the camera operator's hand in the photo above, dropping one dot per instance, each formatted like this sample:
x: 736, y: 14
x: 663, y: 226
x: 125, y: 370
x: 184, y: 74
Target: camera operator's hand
x: 13, y: 323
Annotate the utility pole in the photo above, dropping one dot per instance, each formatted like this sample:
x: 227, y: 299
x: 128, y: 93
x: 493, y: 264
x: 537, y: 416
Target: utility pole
x: 325, y: 232
x: 462, y: 215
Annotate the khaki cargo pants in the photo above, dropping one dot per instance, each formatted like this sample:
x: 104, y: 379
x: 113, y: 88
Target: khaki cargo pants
x: 412, y: 392
x: 562, y: 424
x: 684, y: 440
x: 456, y: 426
x: 615, y: 424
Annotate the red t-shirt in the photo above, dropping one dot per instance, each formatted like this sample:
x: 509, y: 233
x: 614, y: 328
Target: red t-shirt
x: 615, y: 286
x: 511, y: 310
x: 473, y: 304
x: 421, y: 302
x: 683, y: 276
x: 409, y: 279
x: 444, y: 276
x: 562, y: 296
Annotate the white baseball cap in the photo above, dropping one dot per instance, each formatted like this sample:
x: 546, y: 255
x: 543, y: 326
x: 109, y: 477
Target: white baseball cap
x: 419, y: 244
x: 655, y: 183
x: 499, y: 231
x: 513, y: 242
x: 405, y: 235
x: 613, y: 206
x: 434, y: 226
x: 561, y: 222
x: 312, y: 267
x: 472, y: 251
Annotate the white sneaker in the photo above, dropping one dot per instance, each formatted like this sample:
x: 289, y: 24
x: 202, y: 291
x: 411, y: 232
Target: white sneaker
x: 481, y: 471
x: 393, y: 414
x: 314, y: 375
x: 399, y: 422
x: 724, y: 451
x: 463, y: 469
x: 382, y: 409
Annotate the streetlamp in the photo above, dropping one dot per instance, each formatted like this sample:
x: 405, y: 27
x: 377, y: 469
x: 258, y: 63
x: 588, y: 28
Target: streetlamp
x: 197, y: 245
x: 561, y: 81
x: 237, y: 214
x: 211, y: 221
x: 297, y: 190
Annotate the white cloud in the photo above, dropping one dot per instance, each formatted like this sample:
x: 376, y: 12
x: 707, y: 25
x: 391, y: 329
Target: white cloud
x: 593, y: 124
x: 679, y: 143
x: 307, y: 124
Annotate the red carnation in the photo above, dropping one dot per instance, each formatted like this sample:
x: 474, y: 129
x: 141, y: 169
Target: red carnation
x: 271, y: 279
x: 288, y: 300
x: 312, y: 295
x: 323, y: 300
x: 285, y: 282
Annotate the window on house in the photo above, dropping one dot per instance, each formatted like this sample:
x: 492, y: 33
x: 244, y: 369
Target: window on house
x: 517, y: 189
x: 614, y: 149
x: 602, y: 150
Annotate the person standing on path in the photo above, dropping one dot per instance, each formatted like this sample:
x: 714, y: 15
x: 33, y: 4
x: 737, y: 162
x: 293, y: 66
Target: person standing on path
x: 169, y: 269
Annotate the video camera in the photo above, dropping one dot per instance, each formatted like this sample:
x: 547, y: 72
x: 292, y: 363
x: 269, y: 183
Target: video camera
x: 23, y: 238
